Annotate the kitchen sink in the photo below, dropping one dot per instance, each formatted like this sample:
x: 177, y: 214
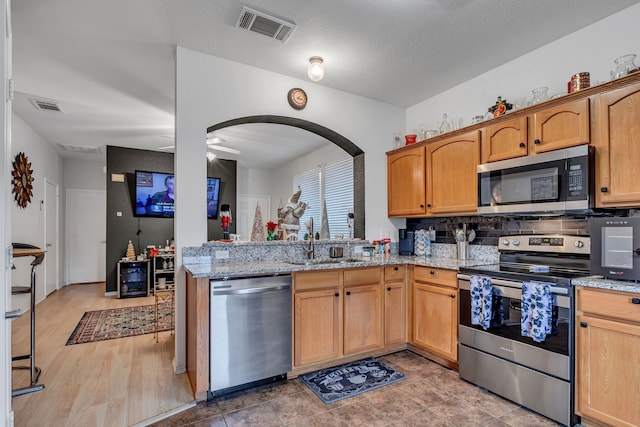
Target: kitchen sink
x: 324, y: 261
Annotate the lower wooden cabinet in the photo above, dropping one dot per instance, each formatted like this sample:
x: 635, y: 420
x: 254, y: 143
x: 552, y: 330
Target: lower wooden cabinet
x: 362, y: 318
x: 435, y: 317
x: 608, y: 357
x: 317, y: 326
x: 395, y: 305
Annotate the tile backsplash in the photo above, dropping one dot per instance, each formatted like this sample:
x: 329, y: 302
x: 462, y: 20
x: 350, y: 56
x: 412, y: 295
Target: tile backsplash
x: 488, y: 229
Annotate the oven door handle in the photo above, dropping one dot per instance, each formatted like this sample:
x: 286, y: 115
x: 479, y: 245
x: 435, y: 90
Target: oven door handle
x: 514, y: 284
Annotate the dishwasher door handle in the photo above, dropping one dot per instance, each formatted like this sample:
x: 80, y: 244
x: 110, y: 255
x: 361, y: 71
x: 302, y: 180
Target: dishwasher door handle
x: 246, y: 291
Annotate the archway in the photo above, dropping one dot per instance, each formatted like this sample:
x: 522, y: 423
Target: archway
x: 330, y: 135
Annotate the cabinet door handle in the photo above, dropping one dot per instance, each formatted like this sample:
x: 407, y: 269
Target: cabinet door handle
x: 583, y: 324
x: 537, y: 142
x: 421, y: 206
x: 395, y: 268
x: 603, y: 189
x: 432, y: 272
x: 635, y: 300
x: 389, y: 288
x: 348, y: 292
x: 428, y: 205
x: 522, y: 145
x: 337, y: 294
x: 453, y: 295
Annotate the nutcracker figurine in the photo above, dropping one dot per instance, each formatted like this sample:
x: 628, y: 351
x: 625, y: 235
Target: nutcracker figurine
x: 225, y: 219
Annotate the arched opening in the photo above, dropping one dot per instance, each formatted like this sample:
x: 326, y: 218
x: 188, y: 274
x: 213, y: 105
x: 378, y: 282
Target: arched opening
x: 349, y: 147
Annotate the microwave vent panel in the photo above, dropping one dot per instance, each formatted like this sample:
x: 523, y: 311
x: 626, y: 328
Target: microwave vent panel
x: 261, y: 23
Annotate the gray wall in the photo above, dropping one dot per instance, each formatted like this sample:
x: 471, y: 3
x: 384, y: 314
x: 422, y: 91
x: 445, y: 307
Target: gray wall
x: 148, y: 231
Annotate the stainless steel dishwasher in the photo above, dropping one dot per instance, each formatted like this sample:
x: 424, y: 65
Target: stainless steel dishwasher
x: 250, y: 332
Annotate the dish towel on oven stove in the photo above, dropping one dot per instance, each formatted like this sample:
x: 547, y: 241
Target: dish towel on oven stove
x: 481, y: 299
x: 536, y: 310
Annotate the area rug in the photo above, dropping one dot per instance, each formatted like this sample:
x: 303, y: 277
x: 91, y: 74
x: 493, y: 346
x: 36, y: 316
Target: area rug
x: 333, y: 384
x: 124, y: 322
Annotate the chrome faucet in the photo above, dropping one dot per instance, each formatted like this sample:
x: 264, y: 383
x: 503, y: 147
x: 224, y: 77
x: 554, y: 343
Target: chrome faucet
x: 310, y: 253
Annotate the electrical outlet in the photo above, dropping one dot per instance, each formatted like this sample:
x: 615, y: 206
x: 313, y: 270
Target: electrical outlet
x: 118, y: 213
x: 357, y: 250
x: 222, y: 254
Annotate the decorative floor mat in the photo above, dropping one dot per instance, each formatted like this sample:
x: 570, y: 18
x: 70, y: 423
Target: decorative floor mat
x: 124, y: 322
x: 348, y: 380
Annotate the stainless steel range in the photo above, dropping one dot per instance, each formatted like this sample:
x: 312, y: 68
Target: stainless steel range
x: 537, y: 375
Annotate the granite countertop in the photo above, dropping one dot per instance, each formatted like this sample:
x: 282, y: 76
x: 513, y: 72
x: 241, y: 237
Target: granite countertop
x: 254, y: 268
x: 613, y: 285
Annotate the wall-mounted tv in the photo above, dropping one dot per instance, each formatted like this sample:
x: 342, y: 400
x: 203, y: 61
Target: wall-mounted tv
x: 213, y: 196
x: 155, y: 197
x: 154, y: 194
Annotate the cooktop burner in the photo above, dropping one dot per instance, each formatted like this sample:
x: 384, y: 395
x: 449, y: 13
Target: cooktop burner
x: 548, y: 258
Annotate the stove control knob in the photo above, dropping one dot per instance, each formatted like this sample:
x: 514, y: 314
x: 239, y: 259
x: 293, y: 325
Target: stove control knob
x: 505, y: 242
x: 579, y: 244
x: 516, y: 242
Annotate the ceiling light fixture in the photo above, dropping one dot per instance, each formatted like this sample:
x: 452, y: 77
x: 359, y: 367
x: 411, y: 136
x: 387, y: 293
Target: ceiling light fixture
x: 210, y: 156
x: 316, y: 69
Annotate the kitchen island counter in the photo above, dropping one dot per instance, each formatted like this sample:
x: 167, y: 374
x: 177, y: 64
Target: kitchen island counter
x: 613, y: 285
x: 219, y: 270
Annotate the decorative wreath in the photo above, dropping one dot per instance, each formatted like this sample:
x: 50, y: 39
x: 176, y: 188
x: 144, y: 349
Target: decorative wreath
x: 22, y: 180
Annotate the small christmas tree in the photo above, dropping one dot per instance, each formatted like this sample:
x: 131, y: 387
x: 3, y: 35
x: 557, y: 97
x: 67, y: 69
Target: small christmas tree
x: 131, y: 252
x: 257, y: 234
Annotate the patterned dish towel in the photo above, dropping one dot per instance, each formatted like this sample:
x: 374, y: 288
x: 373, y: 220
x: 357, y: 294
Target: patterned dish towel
x: 481, y: 300
x: 537, y: 303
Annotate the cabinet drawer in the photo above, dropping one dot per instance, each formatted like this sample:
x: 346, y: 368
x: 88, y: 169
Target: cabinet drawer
x: 394, y: 272
x: 614, y: 304
x: 362, y: 276
x: 316, y: 280
x: 436, y: 275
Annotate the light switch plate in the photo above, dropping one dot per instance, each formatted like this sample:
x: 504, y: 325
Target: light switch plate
x: 222, y: 254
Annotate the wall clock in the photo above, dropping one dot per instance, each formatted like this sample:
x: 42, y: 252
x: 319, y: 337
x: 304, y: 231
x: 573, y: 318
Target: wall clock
x: 297, y: 98
x: 22, y: 180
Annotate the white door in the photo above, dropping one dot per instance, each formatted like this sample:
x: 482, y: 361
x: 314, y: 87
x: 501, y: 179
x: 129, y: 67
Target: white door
x: 86, y: 225
x: 51, y: 244
x: 6, y: 415
x: 246, y: 213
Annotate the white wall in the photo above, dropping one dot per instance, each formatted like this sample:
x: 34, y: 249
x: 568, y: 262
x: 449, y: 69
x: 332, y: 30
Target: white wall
x: 84, y: 174
x: 27, y: 225
x: 592, y: 49
x: 210, y: 90
x: 253, y: 181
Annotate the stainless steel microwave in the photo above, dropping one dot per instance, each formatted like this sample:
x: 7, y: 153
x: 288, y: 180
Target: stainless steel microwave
x: 559, y: 181
x: 615, y: 247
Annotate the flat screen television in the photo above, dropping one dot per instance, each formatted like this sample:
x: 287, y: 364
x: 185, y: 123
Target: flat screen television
x: 154, y: 195
x: 213, y: 197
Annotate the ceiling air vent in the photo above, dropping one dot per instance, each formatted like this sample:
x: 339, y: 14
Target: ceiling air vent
x: 81, y: 149
x: 46, y: 106
x: 261, y: 23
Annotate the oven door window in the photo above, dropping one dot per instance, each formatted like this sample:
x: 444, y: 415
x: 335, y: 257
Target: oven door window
x: 505, y: 322
x: 526, y: 184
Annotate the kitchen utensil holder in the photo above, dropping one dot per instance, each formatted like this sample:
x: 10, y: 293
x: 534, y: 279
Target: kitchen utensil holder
x: 463, y: 250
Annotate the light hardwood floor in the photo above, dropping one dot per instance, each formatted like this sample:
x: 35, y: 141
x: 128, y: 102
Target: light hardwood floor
x: 117, y: 382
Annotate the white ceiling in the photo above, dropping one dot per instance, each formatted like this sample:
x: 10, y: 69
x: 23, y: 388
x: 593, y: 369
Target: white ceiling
x: 110, y: 64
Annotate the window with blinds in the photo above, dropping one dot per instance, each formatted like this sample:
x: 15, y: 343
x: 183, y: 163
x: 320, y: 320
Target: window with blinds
x: 335, y: 182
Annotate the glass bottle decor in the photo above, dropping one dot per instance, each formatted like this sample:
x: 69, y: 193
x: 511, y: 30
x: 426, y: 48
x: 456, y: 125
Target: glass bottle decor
x: 625, y: 66
x: 444, y: 125
x: 539, y: 95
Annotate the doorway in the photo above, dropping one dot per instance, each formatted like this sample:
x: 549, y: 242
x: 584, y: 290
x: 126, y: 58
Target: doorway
x: 51, y: 236
x: 86, y: 225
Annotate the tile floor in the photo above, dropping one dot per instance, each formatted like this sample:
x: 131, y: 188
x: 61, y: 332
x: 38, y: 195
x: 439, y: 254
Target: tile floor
x: 431, y: 395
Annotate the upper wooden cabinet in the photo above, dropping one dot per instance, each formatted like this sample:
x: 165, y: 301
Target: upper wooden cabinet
x: 505, y: 140
x: 617, y: 142
x: 406, y: 181
x: 452, y: 178
x: 560, y: 126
